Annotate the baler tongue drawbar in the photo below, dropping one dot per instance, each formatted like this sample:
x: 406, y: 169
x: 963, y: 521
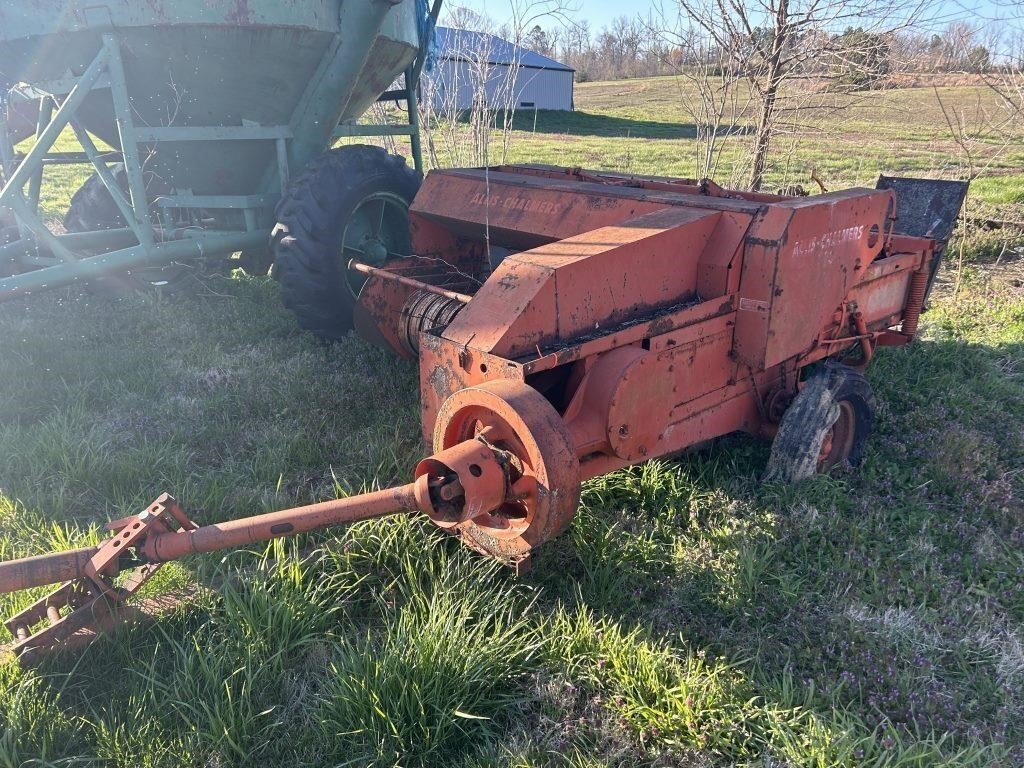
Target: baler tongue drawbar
x: 503, y: 478
x: 89, y: 600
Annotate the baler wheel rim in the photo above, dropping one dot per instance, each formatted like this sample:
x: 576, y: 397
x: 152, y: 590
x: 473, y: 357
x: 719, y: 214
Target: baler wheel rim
x: 522, y: 422
x: 837, y: 446
x: 825, y: 426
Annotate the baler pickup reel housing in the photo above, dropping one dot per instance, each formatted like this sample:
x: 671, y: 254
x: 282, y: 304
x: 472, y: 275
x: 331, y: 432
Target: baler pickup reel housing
x: 569, y: 323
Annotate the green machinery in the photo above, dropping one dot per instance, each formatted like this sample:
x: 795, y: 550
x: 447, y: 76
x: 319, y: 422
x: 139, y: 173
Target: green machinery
x: 210, y: 107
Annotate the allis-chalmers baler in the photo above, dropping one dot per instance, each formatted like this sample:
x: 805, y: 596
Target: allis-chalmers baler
x: 569, y: 323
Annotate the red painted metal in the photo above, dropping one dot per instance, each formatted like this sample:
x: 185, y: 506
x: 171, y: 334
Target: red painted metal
x: 540, y: 468
x: 569, y: 323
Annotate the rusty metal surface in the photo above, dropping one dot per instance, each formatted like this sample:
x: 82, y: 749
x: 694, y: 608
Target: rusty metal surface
x: 925, y: 208
x: 389, y: 311
x: 409, y: 282
x: 798, y: 267
x: 468, y: 478
x: 90, y: 600
x: 915, y: 302
x: 482, y: 482
x: 589, y: 282
x: 544, y: 488
x: 726, y: 295
x: 425, y: 312
x: 52, y: 568
x: 286, y: 522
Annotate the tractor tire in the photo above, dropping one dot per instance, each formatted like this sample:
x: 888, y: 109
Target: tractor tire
x: 826, y: 425
x: 93, y: 208
x: 256, y: 261
x: 351, y: 202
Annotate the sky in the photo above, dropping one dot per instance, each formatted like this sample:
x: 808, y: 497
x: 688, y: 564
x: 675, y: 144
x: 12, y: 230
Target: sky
x: 600, y: 13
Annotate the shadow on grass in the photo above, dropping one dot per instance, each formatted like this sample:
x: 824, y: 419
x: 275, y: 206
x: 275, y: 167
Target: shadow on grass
x: 592, y: 124
x: 860, y: 597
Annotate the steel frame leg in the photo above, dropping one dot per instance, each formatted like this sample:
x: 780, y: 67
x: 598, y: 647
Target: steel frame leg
x: 30, y: 171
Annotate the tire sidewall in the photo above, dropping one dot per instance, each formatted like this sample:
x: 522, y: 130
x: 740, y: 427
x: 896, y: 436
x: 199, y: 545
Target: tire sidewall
x: 795, y: 453
x: 848, y: 385
x: 331, y: 240
x: 312, y: 218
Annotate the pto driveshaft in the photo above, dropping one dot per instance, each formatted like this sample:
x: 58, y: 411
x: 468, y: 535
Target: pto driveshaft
x: 162, y: 544
x: 287, y: 522
x: 509, y: 467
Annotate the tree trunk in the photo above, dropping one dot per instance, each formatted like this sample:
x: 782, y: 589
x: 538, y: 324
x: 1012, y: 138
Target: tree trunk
x: 762, y: 140
x: 773, y: 79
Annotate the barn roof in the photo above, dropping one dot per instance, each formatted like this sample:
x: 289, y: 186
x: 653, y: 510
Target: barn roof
x: 462, y: 44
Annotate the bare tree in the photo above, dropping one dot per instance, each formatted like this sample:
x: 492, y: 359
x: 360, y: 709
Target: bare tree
x: 477, y: 82
x: 709, y: 80
x: 463, y: 17
x: 775, y: 42
x: 458, y: 95
x: 577, y: 49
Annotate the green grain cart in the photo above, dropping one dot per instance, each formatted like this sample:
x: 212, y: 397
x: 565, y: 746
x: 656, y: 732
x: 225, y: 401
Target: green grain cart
x: 208, y: 124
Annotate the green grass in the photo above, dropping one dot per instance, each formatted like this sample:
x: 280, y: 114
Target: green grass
x: 690, y: 616
x: 641, y: 126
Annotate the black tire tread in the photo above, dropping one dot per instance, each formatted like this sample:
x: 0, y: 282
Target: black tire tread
x: 797, y: 444
x: 92, y: 207
x: 310, y: 223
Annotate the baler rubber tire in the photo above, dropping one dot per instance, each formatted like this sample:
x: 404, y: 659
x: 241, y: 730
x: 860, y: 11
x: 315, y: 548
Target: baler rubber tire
x: 312, y: 217
x: 833, y: 394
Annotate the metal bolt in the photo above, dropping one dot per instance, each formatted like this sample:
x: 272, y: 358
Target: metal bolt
x: 376, y: 251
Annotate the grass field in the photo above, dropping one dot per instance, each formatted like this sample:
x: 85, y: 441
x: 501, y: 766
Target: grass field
x: 640, y: 126
x: 691, y: 616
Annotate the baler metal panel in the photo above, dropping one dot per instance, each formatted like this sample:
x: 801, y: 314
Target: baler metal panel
x: 799, y: 265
